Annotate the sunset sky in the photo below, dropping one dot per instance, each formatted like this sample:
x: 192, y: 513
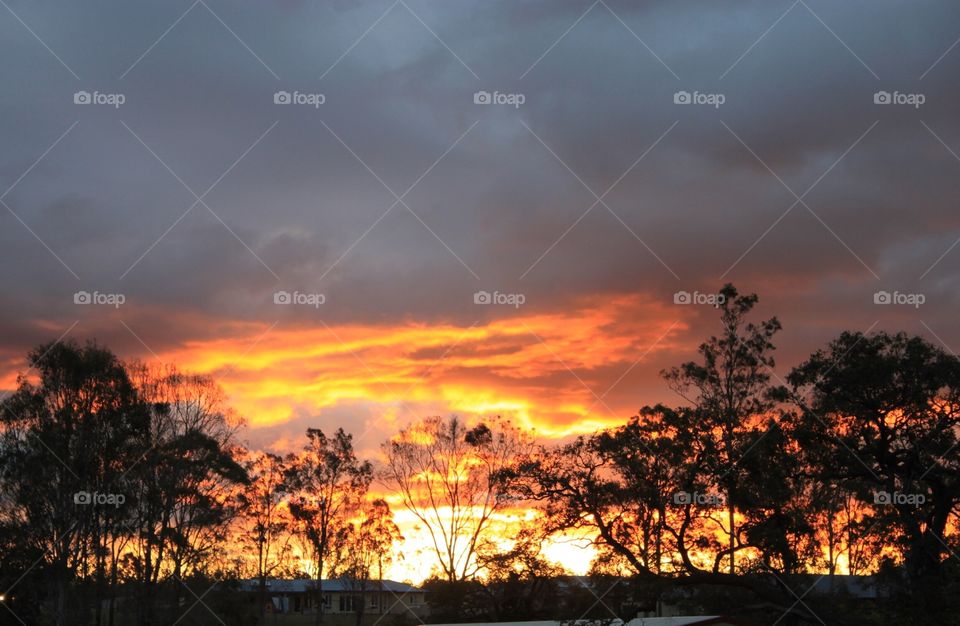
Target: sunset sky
x: 398, y: 198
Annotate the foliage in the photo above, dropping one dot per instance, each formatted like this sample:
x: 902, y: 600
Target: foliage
x: 126, y: 482
x: 451, y: 478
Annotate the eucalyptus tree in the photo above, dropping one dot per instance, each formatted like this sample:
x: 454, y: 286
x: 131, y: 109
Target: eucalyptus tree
x: 451, y: 478
x: 730, y: 393
x: 266, y: 520
x: 328, y: 484
x: 187, y: 466
x: 880, y: 418
x: 69, y: 436
x: 367, y: 548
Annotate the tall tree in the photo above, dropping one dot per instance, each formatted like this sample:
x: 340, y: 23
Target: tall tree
x: 580, y: 488
x: 186, y: 469
x: 730, y: 392
x: 657, y: 489
x: 368, y: 548
x: 66, y: 447
x: 329, y: 483
x: 880, y: 417
x: 520, y: 584
x: 451, y: 478
x: 267, y: 519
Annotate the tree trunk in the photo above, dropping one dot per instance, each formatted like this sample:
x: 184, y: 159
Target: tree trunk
x: 363, y: 601
x: 319, y: 613
x: 733, y: 534
x: 61, y: 599
x: 111, y: 610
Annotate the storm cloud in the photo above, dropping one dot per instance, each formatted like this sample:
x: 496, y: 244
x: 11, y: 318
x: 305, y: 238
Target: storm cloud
x: 349, y: 149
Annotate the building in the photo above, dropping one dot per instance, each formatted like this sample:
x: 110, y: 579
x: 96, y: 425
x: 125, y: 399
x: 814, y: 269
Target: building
x: 385, y: 597
x: 690, y: 620
x: 859, y: 587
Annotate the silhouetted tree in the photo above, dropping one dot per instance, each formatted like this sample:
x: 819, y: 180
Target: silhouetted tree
x: 267, y: 521
x: 328, y: 482
x: 67, y: 445
x: 366, y: 549
x: 881, y: 419
x: 451, y: 478
x: 183, y: 479
x: 520, y: 584
x: 730, y: 392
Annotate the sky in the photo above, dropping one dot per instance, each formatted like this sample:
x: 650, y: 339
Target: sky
x: 358, y: 213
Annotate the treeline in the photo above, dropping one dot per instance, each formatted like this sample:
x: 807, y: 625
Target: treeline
x: 729, y: 500
x: 127, y: 498
x: 850, y: 464
x: 113, y: 476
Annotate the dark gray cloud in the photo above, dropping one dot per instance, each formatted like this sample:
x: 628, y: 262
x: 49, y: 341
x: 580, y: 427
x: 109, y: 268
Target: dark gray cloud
x: 202, y: 95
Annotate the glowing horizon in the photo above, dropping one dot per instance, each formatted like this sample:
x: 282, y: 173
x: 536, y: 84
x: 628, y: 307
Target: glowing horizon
x: 275, y: 375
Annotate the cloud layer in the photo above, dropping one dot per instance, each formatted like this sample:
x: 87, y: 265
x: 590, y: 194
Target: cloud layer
x: 399, y: 197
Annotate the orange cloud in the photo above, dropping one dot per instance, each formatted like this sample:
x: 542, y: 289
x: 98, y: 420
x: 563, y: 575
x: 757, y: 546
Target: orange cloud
x: 560, y: 373
x: 547, y: 371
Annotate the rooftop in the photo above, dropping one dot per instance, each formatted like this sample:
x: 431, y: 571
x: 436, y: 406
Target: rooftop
x: 303, y: 585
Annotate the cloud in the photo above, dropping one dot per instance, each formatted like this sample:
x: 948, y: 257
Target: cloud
x: 494, y: 197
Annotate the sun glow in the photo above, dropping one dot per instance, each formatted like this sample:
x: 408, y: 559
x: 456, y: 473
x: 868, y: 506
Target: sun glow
x: 557, y: 374
x: 554, y: 374
x: 548, y: 372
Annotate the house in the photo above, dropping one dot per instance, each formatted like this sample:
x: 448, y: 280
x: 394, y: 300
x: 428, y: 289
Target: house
x: 379, y: 597
x: 690, y: 620
x: 860, y: 587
